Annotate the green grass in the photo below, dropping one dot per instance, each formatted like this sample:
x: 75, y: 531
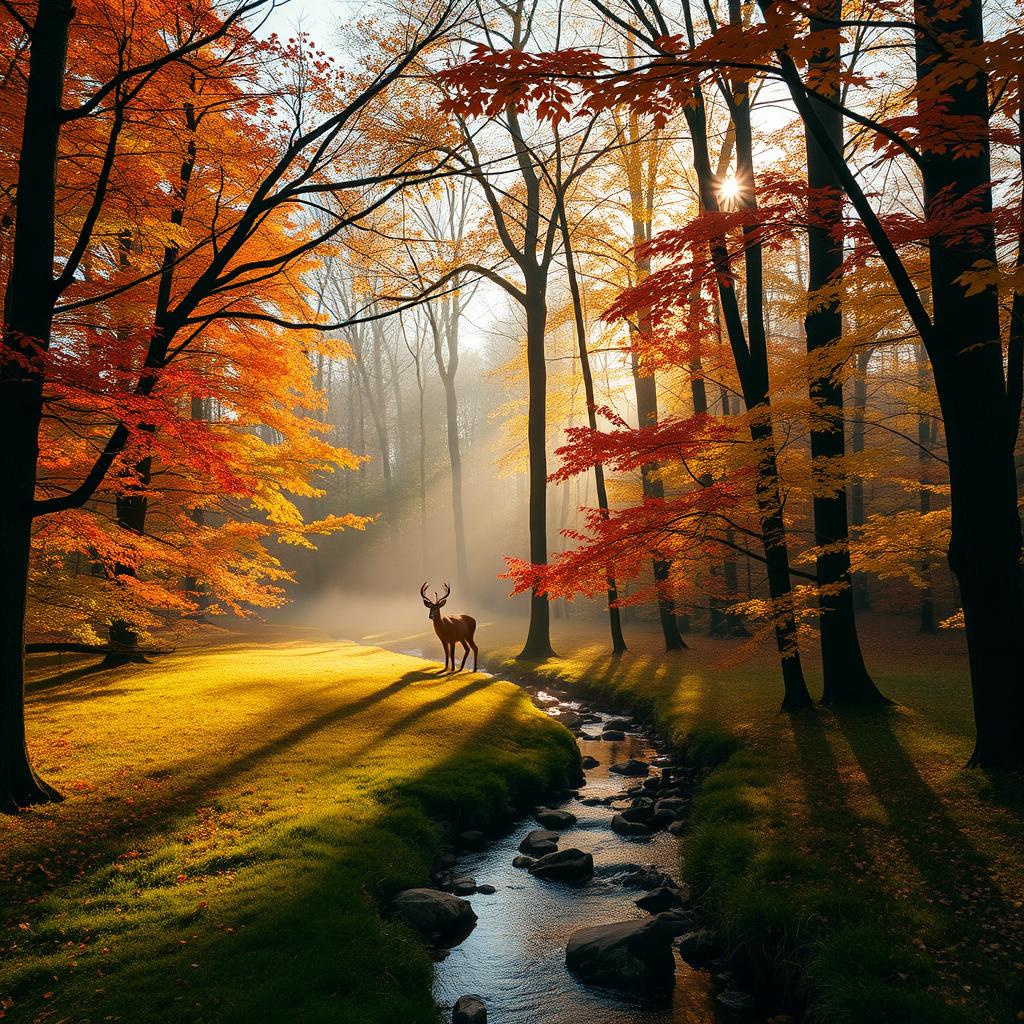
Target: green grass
x: 848, y: 858
x: 235, y: 815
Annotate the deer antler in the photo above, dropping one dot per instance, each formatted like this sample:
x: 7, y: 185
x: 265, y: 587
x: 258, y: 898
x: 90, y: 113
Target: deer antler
x: 447, y: 591
x: 423, y: 591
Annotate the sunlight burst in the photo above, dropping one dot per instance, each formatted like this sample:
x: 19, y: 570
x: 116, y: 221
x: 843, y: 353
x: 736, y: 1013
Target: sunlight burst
x: 729, y: 190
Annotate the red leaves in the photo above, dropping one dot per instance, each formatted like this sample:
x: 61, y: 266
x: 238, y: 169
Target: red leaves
x: 491, y: 81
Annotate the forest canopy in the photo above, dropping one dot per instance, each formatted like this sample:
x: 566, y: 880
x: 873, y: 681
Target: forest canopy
x: 726, y: 298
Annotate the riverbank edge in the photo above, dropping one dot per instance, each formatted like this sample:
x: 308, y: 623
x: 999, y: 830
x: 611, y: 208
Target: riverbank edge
x: 484, y: 783
x: 807, y: 938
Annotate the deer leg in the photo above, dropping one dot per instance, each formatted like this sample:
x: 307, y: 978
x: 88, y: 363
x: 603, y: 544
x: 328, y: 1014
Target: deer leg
x: 465, y: 654
x: 450, y: 657
x: 476, y: 651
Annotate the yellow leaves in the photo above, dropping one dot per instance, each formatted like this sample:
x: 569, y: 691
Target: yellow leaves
x: 902, y: 545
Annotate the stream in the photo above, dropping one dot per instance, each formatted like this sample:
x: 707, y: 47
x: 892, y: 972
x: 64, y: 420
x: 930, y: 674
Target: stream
x: 514, y: 959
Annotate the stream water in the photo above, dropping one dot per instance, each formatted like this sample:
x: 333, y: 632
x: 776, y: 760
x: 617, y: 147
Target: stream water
x: 515, y: 957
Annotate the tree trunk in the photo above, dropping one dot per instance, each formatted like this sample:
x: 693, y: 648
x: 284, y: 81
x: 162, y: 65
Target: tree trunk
x: 751, y: 358
x: 653, y: 488
x: 859, y: 582
x: 538, y: 638
x: 846, y: 679
x: 614, y: 618
x: 980, y: 423
x: 28, y: 319
x: 926, y: 618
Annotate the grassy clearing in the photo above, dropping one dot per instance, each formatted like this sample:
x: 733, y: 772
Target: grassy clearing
x: 233, y: 815
x: 848, y: 856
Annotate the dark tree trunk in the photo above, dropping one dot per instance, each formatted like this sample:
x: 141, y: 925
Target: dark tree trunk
x: 846, y: 679
x: 926, y: 622
x: 199, y: 411
x: 647, y: 414
x: 750, y: 353
x: 859, y: 582
x: 538, y: 639
x: 614, y: 618
x: 980, y: 421
x: 28, y: 319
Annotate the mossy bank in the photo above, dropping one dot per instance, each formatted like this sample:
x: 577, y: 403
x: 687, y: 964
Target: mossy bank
x: 235, y: 816
x: 854, y: 869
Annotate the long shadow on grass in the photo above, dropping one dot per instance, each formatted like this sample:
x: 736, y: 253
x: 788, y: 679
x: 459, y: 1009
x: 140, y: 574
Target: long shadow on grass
x: 826, y: 794
x: 298, y: 937
x: 204, y: 782
x: 64, y: 680
x: 954, y: 873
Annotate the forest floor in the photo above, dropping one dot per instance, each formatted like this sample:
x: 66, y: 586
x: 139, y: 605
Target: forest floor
x: 849, y: 855
x: 233, y: 816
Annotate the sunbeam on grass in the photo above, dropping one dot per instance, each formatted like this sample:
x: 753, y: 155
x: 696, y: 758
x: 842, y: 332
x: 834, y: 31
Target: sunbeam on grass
x: 234, y: 817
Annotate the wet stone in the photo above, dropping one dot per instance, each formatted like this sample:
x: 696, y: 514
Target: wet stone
x: 472, y: 840
x: 699, y: 946
x: 464, y: 886
x: 569, y: 719
x: 613, y: 735
x: 439, y: 917
x: 486, y: 890
x: 469, y: 1010
x: 661, y: 899
x: 538, y: 842
x: 522, y: 861
x: 632, y: 766
x: 590, y: 762
x: 624, y: 827
x: 627, y: 955
x: 619, y: 723
x: 570, y: 865
x: 551, y: 818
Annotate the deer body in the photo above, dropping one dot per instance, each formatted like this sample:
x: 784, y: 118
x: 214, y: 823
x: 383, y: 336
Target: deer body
x: 451, y: 630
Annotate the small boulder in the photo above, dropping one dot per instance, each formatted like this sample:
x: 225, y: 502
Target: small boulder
x: 675, y: 804
x: 678, y: 828
x: 469, y: 1010
x: 630, y: 767
x: 697, y: 947
x: 486, y: 890
x: 522, y: 861
x: 678, y: 921
x: 629, y: 955
x: 590, y: 762
x: 636, y: 877
x: 552, y: 818
x: 624, y: 827
x: 464, y: 886
x: 661, y: 899
x: 570, y: 865
x: 592, y: 801
x: 439, y: 917
x: 472, y: 840
x: 619, y: 723
x: 569, y: 719
x: 613, y: 735
x: 539, y: 842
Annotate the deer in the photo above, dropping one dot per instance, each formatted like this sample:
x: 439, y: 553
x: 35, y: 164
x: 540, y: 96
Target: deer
x: 451, y: 629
